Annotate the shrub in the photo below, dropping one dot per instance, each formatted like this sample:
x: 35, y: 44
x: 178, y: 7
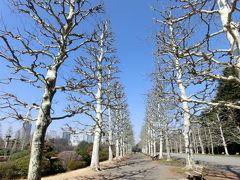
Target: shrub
x: 103, y: 155
x: 22, y: 165
x: 72, y: 165
x: 83, y: 147
x: 67, y: 156
x: 85, y: 150
x: 18, y: 155
x: 18, y: 166
x: 47, y: 167
x: 8, y: 170
x: 1, y: 152
x: 56, y: 167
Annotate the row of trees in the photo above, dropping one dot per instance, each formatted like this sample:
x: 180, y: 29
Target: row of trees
x: 66, y: 53
x: 197, y: 72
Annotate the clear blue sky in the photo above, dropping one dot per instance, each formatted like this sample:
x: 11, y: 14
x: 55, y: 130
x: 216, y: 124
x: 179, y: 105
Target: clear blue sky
x: 133, y: 28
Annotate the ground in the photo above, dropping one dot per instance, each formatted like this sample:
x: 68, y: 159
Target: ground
x: 134, y: 167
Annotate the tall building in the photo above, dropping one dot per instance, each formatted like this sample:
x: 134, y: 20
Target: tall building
x: 26, y: 130
x: 52, y: 134
x: 66, y: 135
x: 77, y: 138
x: 90, y: 138
x: 25, y: 134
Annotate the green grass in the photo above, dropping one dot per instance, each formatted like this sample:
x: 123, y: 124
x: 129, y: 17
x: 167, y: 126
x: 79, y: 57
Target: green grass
x: 180, y: 170
x: 171, y: 162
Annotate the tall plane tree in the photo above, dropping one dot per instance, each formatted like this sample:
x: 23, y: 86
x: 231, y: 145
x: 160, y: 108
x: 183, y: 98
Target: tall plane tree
x: 35, y: 55
x: 92, y: 82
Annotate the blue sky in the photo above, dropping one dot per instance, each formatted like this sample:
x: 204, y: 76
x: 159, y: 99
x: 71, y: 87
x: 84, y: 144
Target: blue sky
x: 133, y: 28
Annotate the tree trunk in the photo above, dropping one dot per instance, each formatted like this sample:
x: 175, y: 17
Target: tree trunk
x: 110, y: 136
x: 171, y: 147
x: 177, y: 148
x: 149, y: 147
x: 207, y: 141
x: 98, y: 126
x: 161, y: 146
x: 186, y: 116
x: 211, y: 141
x: 42, y: 123
x: 222, y: 135
x: 200, y: 141
x: 121, y: 147
x: 167, y: 147
x: 195, y: 143
x: 180, y: 143
x: 117, y: 149
x: 95, y: 153
x: 99, y: 111
x: 154, y: 147
x: 186, y: 112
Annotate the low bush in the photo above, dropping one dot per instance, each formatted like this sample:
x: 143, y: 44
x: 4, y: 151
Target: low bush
x: 56, y: 167
x: 67, y: 156
x: 1, y: 152
x: 17, y: 167
x: 72, y: 165
x: 8, y: 170
x: 85, y: 150
x: 22, y: 165
x: 48, y: 167
x: 103, y: 155
x: 18, y: 155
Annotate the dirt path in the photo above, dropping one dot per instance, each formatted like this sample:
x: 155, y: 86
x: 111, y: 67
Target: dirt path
x: 136, y: 167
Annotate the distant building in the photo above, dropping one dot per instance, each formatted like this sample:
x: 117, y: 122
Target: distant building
x: 66, y: 135
x: 51, y: 134
x: 25, y: 134
x: 90, y: 138
x: 77, y: 138
x: 26, y: 130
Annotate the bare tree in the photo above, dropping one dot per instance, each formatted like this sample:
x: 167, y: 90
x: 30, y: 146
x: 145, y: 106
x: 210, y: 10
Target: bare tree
x: 122, y: 128
x: 202, y: 61
x: 94, y: 71
x: 57, y: 35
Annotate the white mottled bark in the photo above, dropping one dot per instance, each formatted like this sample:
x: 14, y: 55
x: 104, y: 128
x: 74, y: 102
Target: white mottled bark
x: 207, y: 141
x: 154, y: 147
x: 180, y: 143
x: 222, y: 135
x: 195, y: 143
x: 211, y: 140
x: 43, y: 121
x: 186, y: 113
x: 110, y: 136
x: 200, y: 141
x: 121, y: 147
x: 99, y: 110
x: 161, y: 145
x: 231, y: 29
x: 95, y: 153
x: 176, y: 146
x: 117, y: 149
x: 167, y: 147
x: 186, y: 116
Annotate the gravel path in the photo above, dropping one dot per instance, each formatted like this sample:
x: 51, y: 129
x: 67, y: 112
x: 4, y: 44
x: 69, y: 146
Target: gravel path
x: 231, y: 164
x: 136, y: 167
